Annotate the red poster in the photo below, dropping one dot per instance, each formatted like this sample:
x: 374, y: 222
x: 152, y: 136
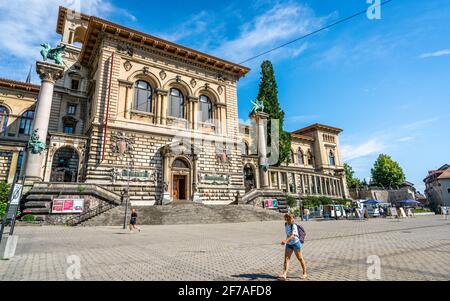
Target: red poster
x: 68, y: 205
x: 58, y: 206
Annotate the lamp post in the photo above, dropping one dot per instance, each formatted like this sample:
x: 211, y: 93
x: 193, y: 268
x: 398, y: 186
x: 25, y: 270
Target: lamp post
x: 130, y: 167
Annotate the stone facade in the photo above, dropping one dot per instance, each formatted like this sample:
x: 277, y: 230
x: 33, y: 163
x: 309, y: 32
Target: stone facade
x: 315, y: 168
x: 437, y: 185
x: 134, y: 112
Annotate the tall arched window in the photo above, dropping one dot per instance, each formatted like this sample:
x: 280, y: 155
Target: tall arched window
x: 176, y: 103
x: 143, y: 96
x: 206, y: 109
x: 310, y: 158
x: 332, y: 158
x: 292, y: 159
x: 244, y: 149
x: 301, y: 157
x: 4, y: 115
x: 26, y: 122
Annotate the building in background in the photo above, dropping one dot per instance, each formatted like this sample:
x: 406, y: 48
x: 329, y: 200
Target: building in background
x: 437, y: 185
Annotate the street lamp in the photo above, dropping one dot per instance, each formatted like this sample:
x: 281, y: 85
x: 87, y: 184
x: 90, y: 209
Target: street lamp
x: 127, y: 193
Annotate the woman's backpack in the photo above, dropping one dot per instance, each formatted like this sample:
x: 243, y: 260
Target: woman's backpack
x: 301, y: 233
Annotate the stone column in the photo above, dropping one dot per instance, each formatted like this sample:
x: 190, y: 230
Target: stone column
x: 49, y: 74
x: 196, y: 196
x: 193, y: 110
x: 163, y: 105
x: 13, y: 167
x: 260, y: 119
x: 167, y: 198
x: 195, y: 113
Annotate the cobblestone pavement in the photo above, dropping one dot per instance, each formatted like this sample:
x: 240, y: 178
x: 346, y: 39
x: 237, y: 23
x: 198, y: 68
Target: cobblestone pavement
x: 412, y: 249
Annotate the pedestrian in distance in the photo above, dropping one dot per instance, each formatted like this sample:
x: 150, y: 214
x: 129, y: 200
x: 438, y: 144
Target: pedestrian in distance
x: 307, y: 214
x: 294, y: 242
x: 133, y: 221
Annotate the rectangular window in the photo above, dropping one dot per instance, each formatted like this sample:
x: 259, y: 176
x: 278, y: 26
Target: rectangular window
x: 25, y: 126
x: 75, y: 84
x: 71, y: 109
x: 274, y: 179
x: 283, y: 178
x: 69, y: 130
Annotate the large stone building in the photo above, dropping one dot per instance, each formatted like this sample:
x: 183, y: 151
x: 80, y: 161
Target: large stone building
x: 437, y: 187
x: 132, y: 110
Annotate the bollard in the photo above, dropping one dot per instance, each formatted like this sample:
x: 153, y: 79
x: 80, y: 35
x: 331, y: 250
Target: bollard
x: 8, y: 247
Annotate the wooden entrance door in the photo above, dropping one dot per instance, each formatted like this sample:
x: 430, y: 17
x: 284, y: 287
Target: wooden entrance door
x: 179, y: 187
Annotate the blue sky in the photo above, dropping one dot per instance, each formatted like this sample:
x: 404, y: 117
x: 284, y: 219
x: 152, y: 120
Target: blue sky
x: 385, y: 82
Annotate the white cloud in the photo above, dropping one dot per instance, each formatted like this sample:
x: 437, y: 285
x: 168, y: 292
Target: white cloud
x: 435, y: 54
x: 420, y: 123
x: 25, y: 24
x: 370, y: 147
x: 195, y: 24
x: 406, y: 139
x: 276, y: 26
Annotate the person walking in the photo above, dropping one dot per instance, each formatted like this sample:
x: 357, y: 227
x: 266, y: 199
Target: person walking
x: 293, y: 245
x: 133, y: 221
x: 307, y: 214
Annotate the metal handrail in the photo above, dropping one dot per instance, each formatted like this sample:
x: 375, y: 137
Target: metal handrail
x: 76, y: 220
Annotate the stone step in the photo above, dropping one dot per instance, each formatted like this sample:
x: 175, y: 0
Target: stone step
x: 186, y: 214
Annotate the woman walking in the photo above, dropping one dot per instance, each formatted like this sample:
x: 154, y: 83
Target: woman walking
x: 293, y: 245
x: 133, y: 221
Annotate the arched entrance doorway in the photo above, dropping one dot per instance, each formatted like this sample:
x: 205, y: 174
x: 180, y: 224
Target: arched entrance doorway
x: 249, y: 178
x: 181, y: 179
x: 65, y: 165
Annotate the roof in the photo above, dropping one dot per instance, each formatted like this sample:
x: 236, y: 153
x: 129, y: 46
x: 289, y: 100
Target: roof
x: 442, y: 173
x: 97, y: 26
x: 302, y: 137
x: 62, y: 14
x: 445, y: 175
x: 12, y: 84
x: 318, y: 126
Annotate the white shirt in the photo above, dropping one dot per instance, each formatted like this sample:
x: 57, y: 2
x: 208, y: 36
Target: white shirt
x: 292, y: 229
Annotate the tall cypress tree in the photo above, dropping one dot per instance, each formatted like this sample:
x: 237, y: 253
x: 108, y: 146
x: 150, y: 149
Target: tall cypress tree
x: 268, y: 94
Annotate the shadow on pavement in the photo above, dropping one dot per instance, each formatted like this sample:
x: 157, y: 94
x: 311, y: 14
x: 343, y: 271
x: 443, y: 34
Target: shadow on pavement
x: 256, y: 276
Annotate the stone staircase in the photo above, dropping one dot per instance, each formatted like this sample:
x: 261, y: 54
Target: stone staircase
x: 256, y: 196
x: 187, y: 213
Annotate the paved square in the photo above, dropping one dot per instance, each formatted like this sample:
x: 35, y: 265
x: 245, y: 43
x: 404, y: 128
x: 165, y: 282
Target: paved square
x: 412, y: 249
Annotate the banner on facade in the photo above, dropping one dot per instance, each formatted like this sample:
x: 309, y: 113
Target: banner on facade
x: 271, y: 204
x: 68, y: 206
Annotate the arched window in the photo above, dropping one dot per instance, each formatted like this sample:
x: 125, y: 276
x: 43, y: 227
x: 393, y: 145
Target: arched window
x: 301, y: 157
x: 244, y: 148
x: 292, y: 159
x: 332, y: 158
x: 69, y: 125
x: 206, y: 109
x: 310, y: 158
x: 4, y: 115
x: 143, y: 96
x: 176, y: 103
x: 26, y: 122
x: 178, y: 163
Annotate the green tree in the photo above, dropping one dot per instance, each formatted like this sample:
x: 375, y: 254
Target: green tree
x: 352, y: 182
x: 387, y: 172
x: 4, y: 195
x: 268, y: 94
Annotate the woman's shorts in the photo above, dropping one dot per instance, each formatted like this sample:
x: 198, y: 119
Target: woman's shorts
x: 295, y: 247
x: 133, y: 221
